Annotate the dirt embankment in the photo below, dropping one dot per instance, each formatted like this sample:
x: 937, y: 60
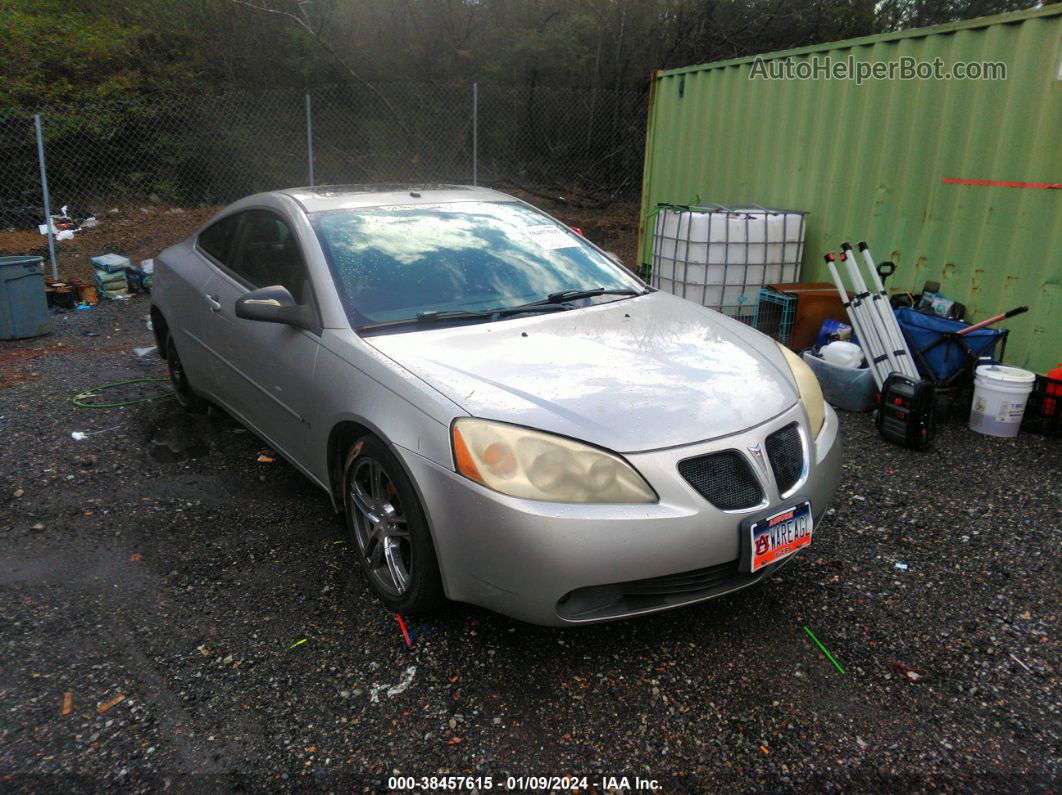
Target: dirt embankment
x: 134, y: 231
x: 142, y: 231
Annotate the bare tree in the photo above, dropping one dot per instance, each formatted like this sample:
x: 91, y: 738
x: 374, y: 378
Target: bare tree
x: 300, y: 16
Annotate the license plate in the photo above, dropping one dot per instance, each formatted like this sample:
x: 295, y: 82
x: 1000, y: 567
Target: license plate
x: 780, y: 535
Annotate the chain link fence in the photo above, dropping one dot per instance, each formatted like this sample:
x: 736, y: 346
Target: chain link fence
x: 211, y: 148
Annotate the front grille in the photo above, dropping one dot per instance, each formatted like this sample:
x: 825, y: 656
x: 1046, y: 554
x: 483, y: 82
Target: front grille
x: 724, y: 479
x: 785, y: 451
x: 688, y: 582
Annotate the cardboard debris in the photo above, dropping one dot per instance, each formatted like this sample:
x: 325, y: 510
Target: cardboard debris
x: 108, y: 705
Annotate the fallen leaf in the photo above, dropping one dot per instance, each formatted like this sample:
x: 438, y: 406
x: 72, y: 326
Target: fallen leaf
x: 68, y: 703
x: 136, y: 556
x: 110, y: 704
x: 910, y: 673
x: 264, y: 459
x: 311, y: 749
x: 455, y: 740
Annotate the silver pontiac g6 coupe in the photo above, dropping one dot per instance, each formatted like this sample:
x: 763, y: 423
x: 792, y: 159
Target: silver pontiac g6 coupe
x: 504, y: 414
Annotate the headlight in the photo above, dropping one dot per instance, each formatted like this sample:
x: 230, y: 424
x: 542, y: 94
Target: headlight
x: 540, y: 466
x: 810, y: 391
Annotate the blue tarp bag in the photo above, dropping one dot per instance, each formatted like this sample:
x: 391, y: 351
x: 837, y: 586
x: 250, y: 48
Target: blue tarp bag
x: 938, y: 350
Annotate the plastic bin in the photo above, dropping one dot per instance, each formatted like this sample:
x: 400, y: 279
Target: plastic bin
x: 848, y: 388
x: 23, y: 303
x: 1043, y: 412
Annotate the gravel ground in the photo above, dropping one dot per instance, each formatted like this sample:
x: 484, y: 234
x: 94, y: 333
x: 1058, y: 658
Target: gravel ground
x: 206, y: 618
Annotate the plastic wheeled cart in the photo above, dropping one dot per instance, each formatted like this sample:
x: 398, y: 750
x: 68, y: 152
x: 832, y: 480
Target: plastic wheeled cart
x: 942, y: 355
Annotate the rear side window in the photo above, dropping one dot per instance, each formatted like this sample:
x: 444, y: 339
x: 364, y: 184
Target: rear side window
x: 217, y: 239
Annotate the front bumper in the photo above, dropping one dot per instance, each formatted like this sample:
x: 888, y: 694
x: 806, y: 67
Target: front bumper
x: 561, y: 564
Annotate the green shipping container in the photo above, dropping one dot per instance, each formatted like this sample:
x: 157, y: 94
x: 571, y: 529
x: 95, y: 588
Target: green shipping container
x: 956, y: 180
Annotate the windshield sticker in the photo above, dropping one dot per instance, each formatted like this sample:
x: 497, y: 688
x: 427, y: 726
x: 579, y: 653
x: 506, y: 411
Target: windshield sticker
x: 550, y: 237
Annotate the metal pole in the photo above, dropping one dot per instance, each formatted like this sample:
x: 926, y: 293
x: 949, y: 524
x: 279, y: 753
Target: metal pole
x: 309, y: 137
x: 877, y: 337
x: 47, y: 202
x: 475, y: 134
x: 857, y: 324
x: 881, y: 302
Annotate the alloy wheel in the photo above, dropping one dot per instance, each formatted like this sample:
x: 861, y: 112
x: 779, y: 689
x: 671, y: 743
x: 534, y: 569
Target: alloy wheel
x: 380, y: 526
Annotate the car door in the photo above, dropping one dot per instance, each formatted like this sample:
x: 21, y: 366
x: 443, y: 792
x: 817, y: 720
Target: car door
x: 265, y: 371
x: 185, y: 301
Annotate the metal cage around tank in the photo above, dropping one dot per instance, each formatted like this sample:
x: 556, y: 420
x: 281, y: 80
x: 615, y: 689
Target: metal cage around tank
x: 722, y: 256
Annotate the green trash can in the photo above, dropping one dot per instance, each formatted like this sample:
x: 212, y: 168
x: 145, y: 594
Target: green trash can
x: 23, y: 303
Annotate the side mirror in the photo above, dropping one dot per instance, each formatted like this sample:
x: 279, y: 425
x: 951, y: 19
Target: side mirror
x: 275, y: 305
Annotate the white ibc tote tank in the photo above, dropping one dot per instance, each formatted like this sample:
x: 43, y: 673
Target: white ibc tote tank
x: 720, y: 256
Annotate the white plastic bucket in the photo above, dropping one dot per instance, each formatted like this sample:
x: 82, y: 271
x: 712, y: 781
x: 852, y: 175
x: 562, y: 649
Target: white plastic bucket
x: 1000, y: 394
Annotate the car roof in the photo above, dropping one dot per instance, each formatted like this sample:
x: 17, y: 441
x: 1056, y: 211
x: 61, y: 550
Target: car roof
x: 340, y: 197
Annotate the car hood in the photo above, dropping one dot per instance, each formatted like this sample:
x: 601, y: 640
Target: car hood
x: 631, y: 375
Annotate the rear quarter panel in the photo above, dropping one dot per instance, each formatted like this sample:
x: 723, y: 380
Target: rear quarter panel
x: 177, y: 293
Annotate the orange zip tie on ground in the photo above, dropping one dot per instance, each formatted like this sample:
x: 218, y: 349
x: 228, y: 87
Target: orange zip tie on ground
x: 405, y: 632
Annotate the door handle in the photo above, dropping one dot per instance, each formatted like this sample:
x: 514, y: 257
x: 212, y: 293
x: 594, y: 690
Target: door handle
x: 215, y: 305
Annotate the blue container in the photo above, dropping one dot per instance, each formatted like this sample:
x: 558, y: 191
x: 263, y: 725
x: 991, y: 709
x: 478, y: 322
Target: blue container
x: 938, y: 351
x: 848, y: 388
x: 23, y: 304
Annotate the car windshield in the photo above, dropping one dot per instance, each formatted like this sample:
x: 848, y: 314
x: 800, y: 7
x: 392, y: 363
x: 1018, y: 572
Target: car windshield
x: 393, y: 263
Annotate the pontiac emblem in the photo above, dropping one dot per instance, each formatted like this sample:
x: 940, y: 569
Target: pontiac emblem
x: 757, y: 453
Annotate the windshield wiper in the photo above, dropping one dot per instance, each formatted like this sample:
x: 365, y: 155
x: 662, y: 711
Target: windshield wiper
x: 574, y: 295
x: 554, y: 302
x: 428, y: 318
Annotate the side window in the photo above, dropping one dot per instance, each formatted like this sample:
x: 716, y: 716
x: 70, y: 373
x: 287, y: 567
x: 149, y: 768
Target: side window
x: 217, y: 239
x: 268, y: 254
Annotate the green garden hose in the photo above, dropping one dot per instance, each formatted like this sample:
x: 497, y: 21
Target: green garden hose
x: 79, y: 398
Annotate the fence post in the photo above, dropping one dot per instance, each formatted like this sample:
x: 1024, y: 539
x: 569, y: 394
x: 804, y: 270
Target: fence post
x: 47, y: 202
x: 475, y: 134
x: 309, y: 137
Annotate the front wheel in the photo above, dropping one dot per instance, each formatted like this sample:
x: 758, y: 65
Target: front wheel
x: 392, y: 541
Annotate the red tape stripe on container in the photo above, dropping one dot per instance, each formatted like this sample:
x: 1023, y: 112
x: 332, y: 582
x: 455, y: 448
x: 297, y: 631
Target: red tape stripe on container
x: 995, y: 183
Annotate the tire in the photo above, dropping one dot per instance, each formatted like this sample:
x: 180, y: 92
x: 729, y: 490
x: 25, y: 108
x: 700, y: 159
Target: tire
x: 388, y: 531
x: 182, y: 389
